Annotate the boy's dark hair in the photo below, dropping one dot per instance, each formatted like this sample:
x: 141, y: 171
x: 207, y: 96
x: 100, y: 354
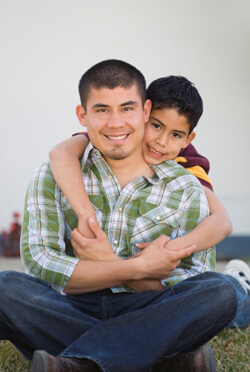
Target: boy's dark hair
x: 111, y: 74
x: 178, y: 93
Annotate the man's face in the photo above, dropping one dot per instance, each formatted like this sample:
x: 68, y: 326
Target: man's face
x: 115, y: 119
x: 166, y: 134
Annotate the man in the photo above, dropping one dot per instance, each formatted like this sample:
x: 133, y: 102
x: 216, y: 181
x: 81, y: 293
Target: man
x: 87, y: 306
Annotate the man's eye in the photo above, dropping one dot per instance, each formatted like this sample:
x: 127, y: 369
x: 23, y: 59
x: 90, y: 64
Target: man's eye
x: 102, y: 110
x: 127, y: 108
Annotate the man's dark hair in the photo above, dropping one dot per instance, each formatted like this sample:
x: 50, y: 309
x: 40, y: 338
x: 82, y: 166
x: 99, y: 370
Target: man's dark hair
x: 177, y: 92
x: 111, y: 74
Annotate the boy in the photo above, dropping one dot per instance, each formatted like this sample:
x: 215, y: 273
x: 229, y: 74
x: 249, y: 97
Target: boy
x: 176, y: 110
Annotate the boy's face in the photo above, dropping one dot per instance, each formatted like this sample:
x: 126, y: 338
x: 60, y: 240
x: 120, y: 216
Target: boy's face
x: 166, y: 134
x: 115, y: 119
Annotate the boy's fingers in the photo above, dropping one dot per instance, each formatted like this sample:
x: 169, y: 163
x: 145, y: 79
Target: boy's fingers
x: 94, y: 226
x: 162, y: 240
x: 141, y: 245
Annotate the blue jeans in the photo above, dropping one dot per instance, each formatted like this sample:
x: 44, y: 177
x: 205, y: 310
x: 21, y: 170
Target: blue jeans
x: 242, y: 318
x: 120, y: 332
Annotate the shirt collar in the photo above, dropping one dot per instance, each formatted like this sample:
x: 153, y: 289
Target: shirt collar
x: 167, y: 169
x: 87, y: 158
x: 164, y: 170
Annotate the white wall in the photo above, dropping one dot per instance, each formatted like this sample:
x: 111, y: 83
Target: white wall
x: 46, y: 45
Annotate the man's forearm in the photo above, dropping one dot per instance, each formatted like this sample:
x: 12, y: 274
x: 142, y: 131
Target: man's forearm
x: 155, y: 262
x: 90, y: 276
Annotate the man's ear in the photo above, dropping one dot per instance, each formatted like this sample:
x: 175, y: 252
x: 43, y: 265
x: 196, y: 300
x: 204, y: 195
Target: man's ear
x: 189, y: 139
x: 81, y: 114
x: 147, y: 109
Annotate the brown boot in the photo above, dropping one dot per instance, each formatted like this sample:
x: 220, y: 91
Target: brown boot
x: 200, y: 360
x: 44, y: 362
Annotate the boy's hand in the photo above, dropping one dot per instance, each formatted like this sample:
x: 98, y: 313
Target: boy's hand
x: 97, y: 248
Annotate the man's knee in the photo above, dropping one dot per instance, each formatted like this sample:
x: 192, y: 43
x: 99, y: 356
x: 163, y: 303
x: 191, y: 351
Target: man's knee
x: 12, y: 283
x: 6, y: 278
x: 223, y: 292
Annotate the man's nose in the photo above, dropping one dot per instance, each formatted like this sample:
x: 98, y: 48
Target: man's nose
x: 116, y: 120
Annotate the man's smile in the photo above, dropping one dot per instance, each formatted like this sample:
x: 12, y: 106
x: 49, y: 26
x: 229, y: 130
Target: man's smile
x: 117, y: 137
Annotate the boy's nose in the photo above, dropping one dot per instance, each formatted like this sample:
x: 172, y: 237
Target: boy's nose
x: 161, y: 142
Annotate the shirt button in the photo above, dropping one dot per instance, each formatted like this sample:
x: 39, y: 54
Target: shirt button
x: 119, y: 209
x: 110, y: 177
x: 158, y: 218
x: 115, y: 242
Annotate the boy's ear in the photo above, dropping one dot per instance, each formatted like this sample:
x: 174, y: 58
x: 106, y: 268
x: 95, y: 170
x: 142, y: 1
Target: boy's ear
x: 147, y: 109
x: 189, y: 139
x: 81, y: 113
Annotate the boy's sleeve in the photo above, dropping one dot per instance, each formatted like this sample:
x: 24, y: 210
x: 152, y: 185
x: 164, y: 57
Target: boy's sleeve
x: 81, y: 133
x: 196, y: 164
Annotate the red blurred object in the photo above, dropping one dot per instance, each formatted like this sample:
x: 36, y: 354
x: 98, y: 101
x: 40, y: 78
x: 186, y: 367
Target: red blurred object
x: 10, y: 240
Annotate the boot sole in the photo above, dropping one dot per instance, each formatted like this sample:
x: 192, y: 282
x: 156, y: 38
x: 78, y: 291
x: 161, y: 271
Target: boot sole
x: 40, y: 361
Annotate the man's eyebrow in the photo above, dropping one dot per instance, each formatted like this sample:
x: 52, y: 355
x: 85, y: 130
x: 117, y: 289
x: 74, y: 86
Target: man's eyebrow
x: 175, y: 130
x: 96, y: 105
x: 129, y: 103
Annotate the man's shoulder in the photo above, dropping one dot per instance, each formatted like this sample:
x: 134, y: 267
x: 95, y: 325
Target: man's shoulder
x: 42, y: 178
x: 173, y: 172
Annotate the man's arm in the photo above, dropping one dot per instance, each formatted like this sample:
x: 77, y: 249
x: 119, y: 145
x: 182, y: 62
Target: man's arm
x: 44, y: 254
x: 100, y: 249
x: 43, y: 248
x: 155, y: 262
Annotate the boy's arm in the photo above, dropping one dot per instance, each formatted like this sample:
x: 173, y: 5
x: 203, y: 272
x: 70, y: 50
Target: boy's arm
x: 65, y: 165
x: 217, y: 226
x: 209, y: 231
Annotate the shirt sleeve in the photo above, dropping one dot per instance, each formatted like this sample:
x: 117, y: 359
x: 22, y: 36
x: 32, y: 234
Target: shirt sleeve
x: 81, y: 133
x: 195, y: 210
x: 43, y: 243
x: 196, y: 164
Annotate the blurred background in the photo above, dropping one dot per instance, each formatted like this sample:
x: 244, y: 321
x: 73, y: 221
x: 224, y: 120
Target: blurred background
x: 46, y: 45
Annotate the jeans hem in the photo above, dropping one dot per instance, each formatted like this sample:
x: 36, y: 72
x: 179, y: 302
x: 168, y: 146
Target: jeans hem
x: 81, y: 356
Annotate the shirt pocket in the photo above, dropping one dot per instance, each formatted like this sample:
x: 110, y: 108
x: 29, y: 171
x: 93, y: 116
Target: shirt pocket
x: 154, y: 220
x: 97, y: 202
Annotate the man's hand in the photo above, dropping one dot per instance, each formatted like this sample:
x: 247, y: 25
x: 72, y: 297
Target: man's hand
x: 96, y: 249
x: 83, y: 227
x: 156, y: 261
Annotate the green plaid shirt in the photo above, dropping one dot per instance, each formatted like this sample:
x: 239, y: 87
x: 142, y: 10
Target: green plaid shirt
x: 172, y: 202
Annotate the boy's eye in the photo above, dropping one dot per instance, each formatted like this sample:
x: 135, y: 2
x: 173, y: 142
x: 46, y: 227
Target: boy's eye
x: 156, y: 126
x: 176, y: 135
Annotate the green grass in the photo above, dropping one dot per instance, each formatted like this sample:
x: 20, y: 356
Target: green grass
x: 230, y: 347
